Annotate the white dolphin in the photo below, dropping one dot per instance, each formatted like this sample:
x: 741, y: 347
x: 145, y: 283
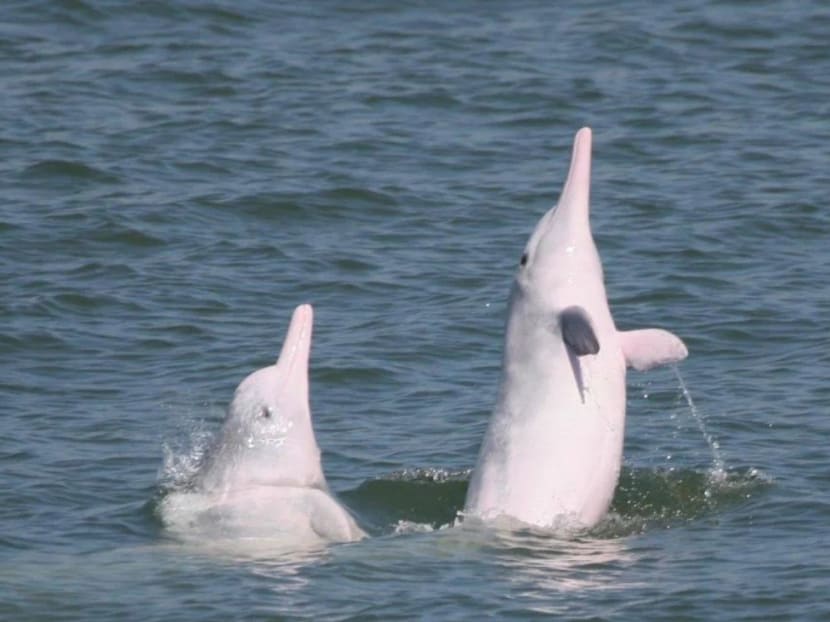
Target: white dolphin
x: 263, y: 477
x: 552, y: 453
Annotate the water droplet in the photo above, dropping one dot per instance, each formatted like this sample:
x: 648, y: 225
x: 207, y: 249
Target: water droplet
x: 718, y: 466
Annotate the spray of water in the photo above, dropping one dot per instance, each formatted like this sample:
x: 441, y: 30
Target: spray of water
x: 718, y: 473
x: 184, y: 455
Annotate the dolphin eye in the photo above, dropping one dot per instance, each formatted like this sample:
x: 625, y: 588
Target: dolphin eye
x: 523, y: 260
x: 265, y: 412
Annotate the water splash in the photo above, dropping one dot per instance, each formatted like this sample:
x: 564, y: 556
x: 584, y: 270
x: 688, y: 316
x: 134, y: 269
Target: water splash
x: 184, y: 455
x: 406, y: 526
x: 718, y: 472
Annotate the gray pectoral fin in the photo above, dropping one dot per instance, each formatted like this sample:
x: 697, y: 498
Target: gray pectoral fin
x: 577, y: 331
x: 651, y: 347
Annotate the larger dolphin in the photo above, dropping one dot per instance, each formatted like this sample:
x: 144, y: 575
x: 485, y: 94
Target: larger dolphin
x: 263, y: 478
x: 552, y: 453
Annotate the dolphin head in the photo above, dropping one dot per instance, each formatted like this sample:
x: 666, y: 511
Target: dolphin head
x: 267, y: 437
x: 561, y: 253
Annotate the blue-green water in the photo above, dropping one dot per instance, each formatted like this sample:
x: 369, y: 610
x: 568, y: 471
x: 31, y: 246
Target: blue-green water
x: 177, y: 176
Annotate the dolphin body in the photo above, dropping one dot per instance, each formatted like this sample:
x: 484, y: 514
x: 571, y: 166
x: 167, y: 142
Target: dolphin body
x: 552, y: 453
x: 263, y: 478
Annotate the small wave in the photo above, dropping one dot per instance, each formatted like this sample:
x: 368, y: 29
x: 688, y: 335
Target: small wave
x: 42, y: 340
x: 65, y: 169
x: 360, y: 196
x: 220, y: 16
x: 124, y: 235
x: 423, y: 98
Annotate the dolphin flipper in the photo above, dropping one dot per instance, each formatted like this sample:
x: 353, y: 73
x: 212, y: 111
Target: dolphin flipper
x: 577, y: 331
x: 651, y: 347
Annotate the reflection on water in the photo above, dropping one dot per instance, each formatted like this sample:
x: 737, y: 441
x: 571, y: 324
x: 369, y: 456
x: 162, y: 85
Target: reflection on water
x: 272, y: 553
x: 542, y: 563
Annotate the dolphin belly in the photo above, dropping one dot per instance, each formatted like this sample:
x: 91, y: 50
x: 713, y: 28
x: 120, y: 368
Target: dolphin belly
x: 555, y: 462
x: 294, y: 516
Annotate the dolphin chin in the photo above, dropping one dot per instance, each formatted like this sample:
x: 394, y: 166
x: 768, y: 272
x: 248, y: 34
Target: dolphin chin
x: 263, y: 477
x: 552, y: 453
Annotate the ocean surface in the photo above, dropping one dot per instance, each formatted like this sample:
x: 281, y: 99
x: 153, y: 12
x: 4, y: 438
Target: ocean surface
x: 177, y: 176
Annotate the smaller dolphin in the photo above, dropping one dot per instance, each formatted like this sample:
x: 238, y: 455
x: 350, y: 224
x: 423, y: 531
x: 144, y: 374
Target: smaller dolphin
x: 263, y: 477
x: 552, y: 453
